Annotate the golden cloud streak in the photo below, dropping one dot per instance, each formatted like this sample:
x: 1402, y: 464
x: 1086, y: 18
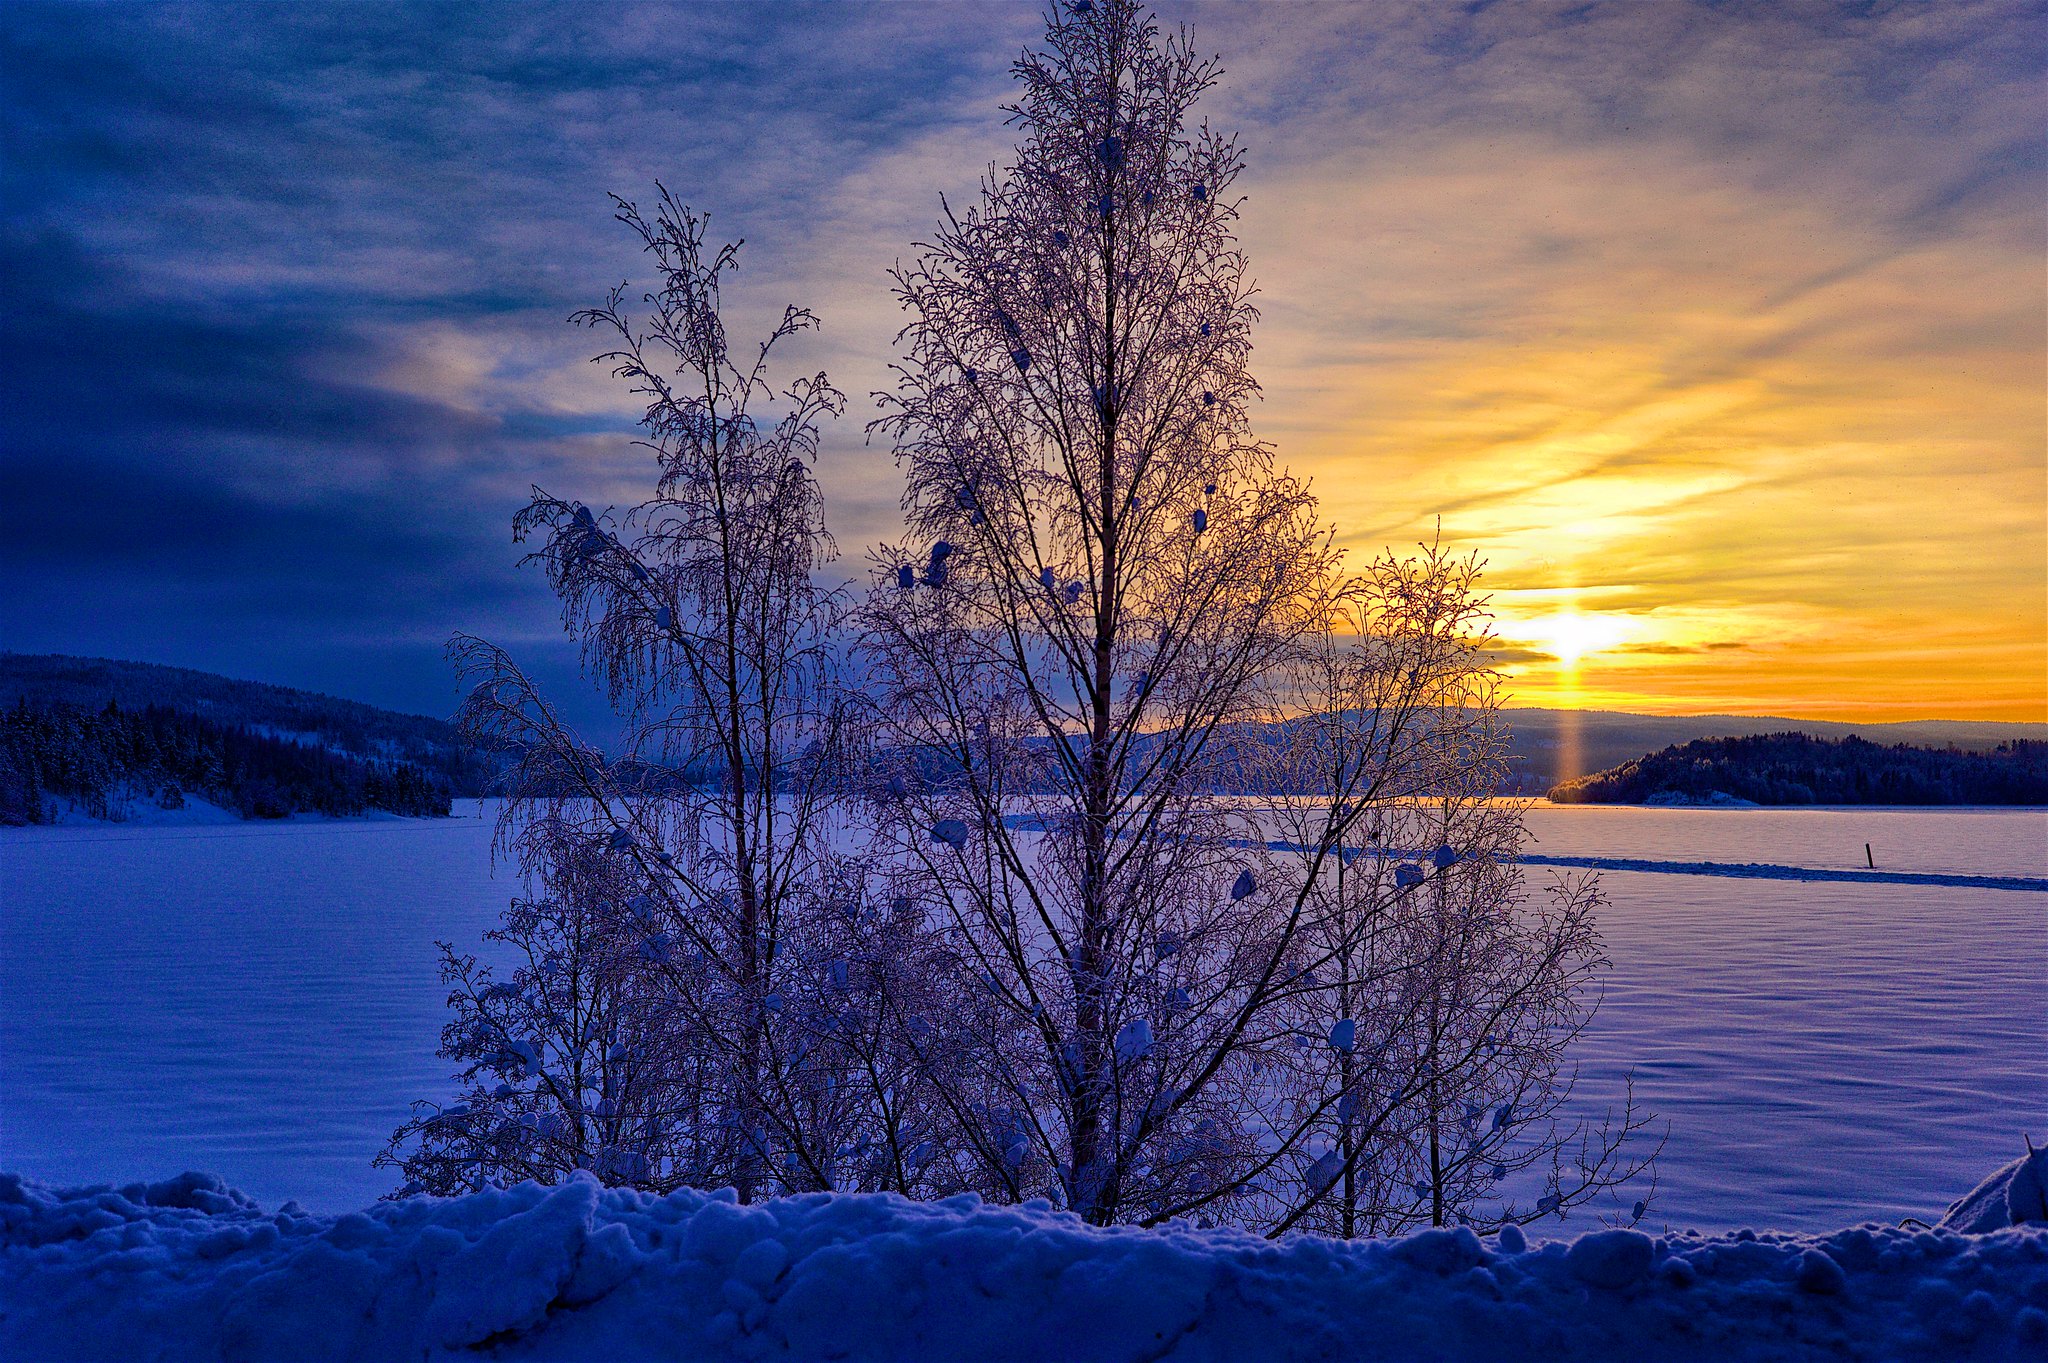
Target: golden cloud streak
x: 1678, y: 411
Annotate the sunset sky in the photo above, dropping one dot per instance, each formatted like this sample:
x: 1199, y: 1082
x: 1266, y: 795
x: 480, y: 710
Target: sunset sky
x: 1717, y: 330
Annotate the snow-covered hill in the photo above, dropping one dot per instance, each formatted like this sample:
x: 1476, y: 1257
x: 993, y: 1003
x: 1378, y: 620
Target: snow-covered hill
x: 187, y: 1269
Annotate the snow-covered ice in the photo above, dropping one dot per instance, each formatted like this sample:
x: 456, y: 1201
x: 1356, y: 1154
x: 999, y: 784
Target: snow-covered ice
x: 1824, y: 1054
x: 188, y: 1270
x: 1998, y: 842
x: 262, y: 1000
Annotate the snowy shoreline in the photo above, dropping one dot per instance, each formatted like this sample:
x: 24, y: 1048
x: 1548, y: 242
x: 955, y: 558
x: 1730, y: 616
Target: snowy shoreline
x: 188, y: 1269
x: 198, y: 815
x: 1766, y: 871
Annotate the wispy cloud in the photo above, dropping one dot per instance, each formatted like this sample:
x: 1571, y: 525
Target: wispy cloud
x: 1722, y: 321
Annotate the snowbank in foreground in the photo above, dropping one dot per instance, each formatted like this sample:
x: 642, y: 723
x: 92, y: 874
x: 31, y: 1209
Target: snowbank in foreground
x: 188, y: 1269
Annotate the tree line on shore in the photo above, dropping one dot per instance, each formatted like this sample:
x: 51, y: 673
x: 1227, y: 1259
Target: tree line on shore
x: 107, y: 761
x: 1798, y: 769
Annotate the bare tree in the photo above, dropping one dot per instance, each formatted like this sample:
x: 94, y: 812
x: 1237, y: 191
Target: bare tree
x: 568, y: 1058
x: 1110, y: 607
x: 1104, y: 567
x: 703, y: 852
x: 1434, y: 1001
x: 1179, y: 892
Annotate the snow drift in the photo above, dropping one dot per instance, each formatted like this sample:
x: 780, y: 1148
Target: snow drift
x: 188, y: 1269
x: 2017, y: 1195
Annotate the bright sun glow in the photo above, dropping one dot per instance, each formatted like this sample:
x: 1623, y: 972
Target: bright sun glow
x: 1571, y: 636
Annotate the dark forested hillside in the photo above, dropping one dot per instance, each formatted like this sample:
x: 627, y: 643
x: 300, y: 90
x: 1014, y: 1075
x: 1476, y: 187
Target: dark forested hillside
x: 1551, y: 747
x: 108, y: 761
x: 105, y: 734
x: 347, y: 725
x: 1797, y: 769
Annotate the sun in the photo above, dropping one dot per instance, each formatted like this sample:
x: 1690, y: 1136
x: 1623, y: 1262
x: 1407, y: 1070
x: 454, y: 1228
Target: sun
x: 1571, y: 635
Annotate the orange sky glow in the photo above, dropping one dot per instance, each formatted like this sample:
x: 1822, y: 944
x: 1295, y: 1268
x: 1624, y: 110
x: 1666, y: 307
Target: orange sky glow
x: 1740, y: 397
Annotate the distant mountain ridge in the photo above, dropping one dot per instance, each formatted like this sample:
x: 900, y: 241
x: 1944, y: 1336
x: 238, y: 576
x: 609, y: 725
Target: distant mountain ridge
x: 1547, y: 747
x: 104, y: 733
x: 349, y: 725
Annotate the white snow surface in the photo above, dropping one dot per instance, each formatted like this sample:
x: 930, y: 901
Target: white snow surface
x: 261, y: 1000
x: 2016, y: 1195
x: 196, y: 812
x: 189, y: 1269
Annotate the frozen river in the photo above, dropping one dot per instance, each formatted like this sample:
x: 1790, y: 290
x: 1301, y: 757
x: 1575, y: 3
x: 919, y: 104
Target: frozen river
x: 261, y: 1001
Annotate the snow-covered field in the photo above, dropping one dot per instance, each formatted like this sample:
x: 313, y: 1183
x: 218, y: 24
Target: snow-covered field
x: 2006, y: 842
x: 260, y: 1001
x: 185, y: 1270
x: 254, y: 999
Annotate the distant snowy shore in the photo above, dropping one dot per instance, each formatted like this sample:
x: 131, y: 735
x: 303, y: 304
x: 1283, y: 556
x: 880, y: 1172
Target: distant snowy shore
x: 1759, y: 871
x: 188, y: 1269
x: 197, y: 812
